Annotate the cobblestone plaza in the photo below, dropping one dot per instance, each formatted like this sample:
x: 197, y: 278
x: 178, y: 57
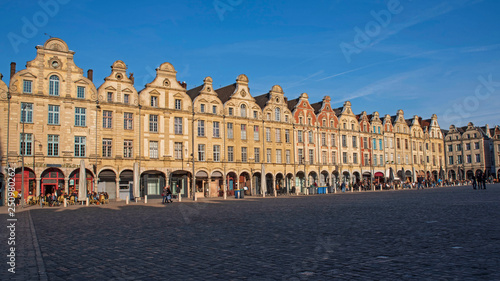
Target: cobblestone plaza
x: 442, y: 233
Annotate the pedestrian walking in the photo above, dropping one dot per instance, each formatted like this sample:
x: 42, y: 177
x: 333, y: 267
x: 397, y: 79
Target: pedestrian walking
x: 169, y: 195
x: 164, y: 195
x: 474, y: 182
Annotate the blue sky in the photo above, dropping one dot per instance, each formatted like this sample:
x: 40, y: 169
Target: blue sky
x: 423, y: 57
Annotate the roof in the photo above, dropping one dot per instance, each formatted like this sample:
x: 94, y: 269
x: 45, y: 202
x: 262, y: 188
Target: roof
x: 409, y: 122
x: 262, y: 100
x: 425, y: 123
x: 338, y: 110
x: 292, y: 103
x: 226, y: 92
x: 445, y: 132
x: 194, y: 92
x: 317, y: 107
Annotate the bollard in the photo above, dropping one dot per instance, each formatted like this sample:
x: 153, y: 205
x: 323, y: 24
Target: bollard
x: 145, y: 199
x: 126, y: 200
x: 179, y: 197
x: 65, y: 204
x: 86, y: 202
x: 326, y: 190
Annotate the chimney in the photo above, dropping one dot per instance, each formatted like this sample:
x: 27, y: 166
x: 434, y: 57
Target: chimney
x: 131, y: 77
x: 184, y: 85
x: 12, y: 69
x: 90, y: 75
x: 1, y: 76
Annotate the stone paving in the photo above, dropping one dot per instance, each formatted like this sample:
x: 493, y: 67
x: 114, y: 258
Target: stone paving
x: 450, y: 233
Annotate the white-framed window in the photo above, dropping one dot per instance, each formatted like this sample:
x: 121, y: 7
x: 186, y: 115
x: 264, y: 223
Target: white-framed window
x: 375, y: 157
x: 230, y: 153
x: 80, y: 119
x: 202, y: 108
x: 256, y: 154
x: 324, y: 157
x: 153, y: 149
x: 332, y: 141
x: 287, y: 156
x: 300, y: 155
x: 344, y: 158
x: 201, y: 128
x: 178, y: 150
x: 244, y: 157
x: 128, y: 148
x: 287, y: 135
x: 128, y: 120
x: 382, y: 160
x: 334, y: 157
x: 255, y: 114
x: 243, y: 111
x: 268, y: 134
x: 311, y: 138
x: 278, y: 135
x: 286, y: 118
x: 53, y: 118
x: 54, y: 85
x: 153, y: 123
x: 178, y: 125
x: 230, y: 132
x: 80, y: 143
x: 230, y: 111
x: 26, y: 112
x: 126, y: 98
x: 27, y: 89
x: 214, y: 109
x: 278, y: 156
x: 323, y: 139
x: 256, y: 135
x: 26, y: 144
x: 277, y: 114
x: 201, y: 152
x: 311, y: 156
x: 106, y: 147
x: 107, y: 119
x: 243, y: 131
x: 300, y: 138
x: 355, y: 158
x: 178, y: 104
x: 268, y: 155
x: 53, y: 145
x: 110, y: 96
x: 80, y: 92
x: 354, y: 141
x: 154, y: 101
x: 216, y: 130
x: 216, y: 153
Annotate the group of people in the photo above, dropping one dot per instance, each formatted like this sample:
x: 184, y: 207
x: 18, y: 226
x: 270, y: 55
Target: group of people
x: 167, y: 195
x: 479, y: 182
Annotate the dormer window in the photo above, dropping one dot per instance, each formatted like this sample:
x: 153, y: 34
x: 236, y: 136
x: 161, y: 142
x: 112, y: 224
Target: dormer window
x: 255, y: 114
x: 202, y: 108
x: 54, y: 85
x: 214, y: 109
x: 80, y: 92
x: 268, y: 115
x: 300, y: 120
x: 230, y: 111
x: 110, y: 97
x: 277, y: 113
x: 178, y: 104
x: 309, y: 121
x: 126, y: 98
x: 154, y: 101
x: 27, y: 86
x: 243, y: 111
x: 286, y: 118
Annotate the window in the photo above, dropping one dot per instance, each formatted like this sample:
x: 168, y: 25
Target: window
x: 323, y: 139
x: 277, y: 114
x: 398, y: 143
x: 478, y: 158
x: 406, y: 160
x: 278, y: 156
x: 107, y: 119
x: 153, y: 149
x: 128, y: 149
x: 344, y: 157
x: 382, y: 160
x: 214, y: 109
x: 201, y: 152
x: 300, y: 120
x: 467, y: 146
x: 469, y: 159
x: 178, y: 104
x: 153, y: 123
x: 287, y: 156
x: 202, y: 108
x: 80, y: 117
x: 354, y: 142
x: 334, y: 157
x: 355, y: 158
x: 26, y: 144
x: 344, y: 141
x: 286, y: 118
x: 459, y: 159
x: 268, y: 155
x: 365, y: 142
x: 110, y: 97
x: 300, y: 155
x: 154, y: 101
x: 366, y: 160
x: 216, y: 131
x: 201, y: 128
x: 126, y: 98
x: 433, y: 145
x: 53, y: 145
x: 309, y: 121
x: 256, y: 154
x: 323, y: 157
x: 450, y: 160
x: 216, y: 153
x: 375, y: 160
x: 178, y: 125
x: 128, y: 120
x: 178, y: 150
x: 311, y: 156
x: 230, y: 153
x: 243, y: 131
x: 268, y: 116
x: 476, y: 145
x: 378, y: 130
x: 80, y: 146
x: 255, y: 114
x: 80, y: 93
x: 244, y: 154
x: 230, y: 132
x: 230, y: 111
x: 27, y: 86
x: 243, y: 111
x: 374, y: 129
x: 331, y: 123
x: 106, y: 147
x: 406, y: 145
x: 374, y: 144
x: 256, y: 133
x: 278, y: 135
x: 399, y: 158
x: 299, y: 137
x: 380, y: 144
x: 287, y: 135
x: 26, y: 112
x: 54, y: 85
x: 311, y: 139
x: 352, y: 127
x: 450, y: 148
x: 333, y: 142
x: 268, y: 134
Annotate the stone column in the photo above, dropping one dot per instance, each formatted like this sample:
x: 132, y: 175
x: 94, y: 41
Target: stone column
x: 117, y: 188
x: 37, y: 192
x: 66, y: 185
x: 209, y: 186
x: 274, y: 186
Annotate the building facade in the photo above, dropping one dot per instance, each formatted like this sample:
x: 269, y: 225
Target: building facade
x: 202, y: 141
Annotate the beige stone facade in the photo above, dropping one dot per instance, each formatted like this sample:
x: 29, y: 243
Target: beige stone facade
x: 202, y: 141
